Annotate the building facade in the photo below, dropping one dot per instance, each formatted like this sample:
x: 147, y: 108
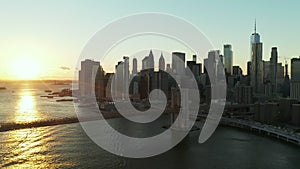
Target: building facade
x: 87, y: 76
x: 257, y: 72
x: 228, y: 55
x: 295, y: 78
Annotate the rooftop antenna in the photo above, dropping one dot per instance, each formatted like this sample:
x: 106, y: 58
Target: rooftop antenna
x: 255, y: 25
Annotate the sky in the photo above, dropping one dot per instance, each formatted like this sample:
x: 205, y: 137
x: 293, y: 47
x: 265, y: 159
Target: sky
x: 43, y: 38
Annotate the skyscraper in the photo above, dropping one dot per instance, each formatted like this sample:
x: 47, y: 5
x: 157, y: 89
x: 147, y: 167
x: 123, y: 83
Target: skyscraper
x: 194, y: 67
x: 213, y: 62
x: 145, y: 63
x: 237, y: 71
x: 266, y: 70
x: 280, y: 73
x: 126, y: 77
x: 295, y: 69
x: 273, y: 69
x: 134, y: 66
x: 228, y: 58
x: 178, y: 63
x: 121, y: 85
x: 151, y: 60
x: 119, y: 77
x: 162, y: 65
x: 256, y: 63
x: 195, y: 58
x: 148, y: 61
x: 100, y: 83
x: 87, y: 76
x: 222, y: 60
x: 255, y: 37
x: 295, y: 78
x: 286, y: 70
x: 249, y: 68
x: 168, y: 69
x: 286, y: 87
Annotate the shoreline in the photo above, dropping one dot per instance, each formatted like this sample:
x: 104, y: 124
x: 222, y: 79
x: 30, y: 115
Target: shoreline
x: 225, y: 122
x: 258, y: 130
x: 9, y: 126
x: 51, y: 122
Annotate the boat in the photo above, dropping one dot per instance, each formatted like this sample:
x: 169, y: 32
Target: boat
x: 2, y: 88
x: 49, y: 97
x: 48, y: 91
x: 64, y: 100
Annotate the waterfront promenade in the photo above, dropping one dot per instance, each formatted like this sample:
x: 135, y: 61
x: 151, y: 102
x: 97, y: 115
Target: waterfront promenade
x: 259, y: 128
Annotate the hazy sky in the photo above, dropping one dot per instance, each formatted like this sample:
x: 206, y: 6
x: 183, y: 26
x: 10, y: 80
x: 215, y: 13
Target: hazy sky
x: 52, y: 33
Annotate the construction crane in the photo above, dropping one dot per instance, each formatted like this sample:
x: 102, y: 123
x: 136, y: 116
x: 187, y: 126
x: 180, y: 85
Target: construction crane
x: 285, y: 63
x: 285, y: 58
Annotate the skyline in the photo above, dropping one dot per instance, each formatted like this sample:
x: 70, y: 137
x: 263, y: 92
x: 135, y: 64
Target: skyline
x: 53, y: 38
x: 149, y: 84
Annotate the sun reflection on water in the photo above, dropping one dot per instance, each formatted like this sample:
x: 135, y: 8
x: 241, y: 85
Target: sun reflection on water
x: 32, y: 148
x: 26, y: 108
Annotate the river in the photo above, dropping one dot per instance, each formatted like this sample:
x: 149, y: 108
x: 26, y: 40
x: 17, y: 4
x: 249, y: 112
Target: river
x: 67, y: 145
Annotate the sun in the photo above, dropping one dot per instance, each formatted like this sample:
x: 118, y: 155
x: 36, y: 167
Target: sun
x: 26, y: 68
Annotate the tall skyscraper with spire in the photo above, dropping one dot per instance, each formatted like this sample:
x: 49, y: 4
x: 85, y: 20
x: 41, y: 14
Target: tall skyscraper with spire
x: 148, y: 61
x: 151, y: 60
x: 256, y: 63
x: 162, y: 65
x: 255, y: 37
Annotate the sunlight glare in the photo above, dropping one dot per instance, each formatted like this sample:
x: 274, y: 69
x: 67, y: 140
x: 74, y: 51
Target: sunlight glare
x: 26, y: 68
x: 26, y: 108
